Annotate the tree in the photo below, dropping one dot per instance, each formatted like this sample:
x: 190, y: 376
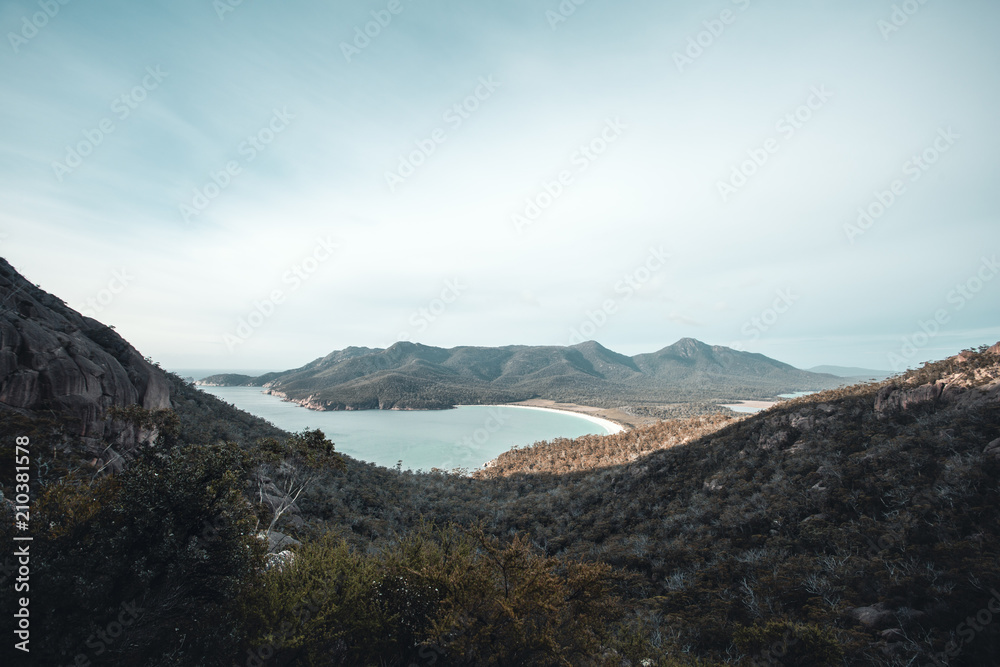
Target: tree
x: 292, y: 468
x: 171, y: 536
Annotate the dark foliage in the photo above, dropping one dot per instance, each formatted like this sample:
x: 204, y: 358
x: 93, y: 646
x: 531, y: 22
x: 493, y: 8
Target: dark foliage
x: 858, y: 527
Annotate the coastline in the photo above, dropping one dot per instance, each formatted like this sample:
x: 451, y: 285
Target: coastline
x: 749, y: 407
x: 755, y: 406
x: 611, y: 426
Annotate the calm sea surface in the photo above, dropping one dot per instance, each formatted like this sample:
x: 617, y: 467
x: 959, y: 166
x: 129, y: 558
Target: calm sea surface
x: 466, y: 437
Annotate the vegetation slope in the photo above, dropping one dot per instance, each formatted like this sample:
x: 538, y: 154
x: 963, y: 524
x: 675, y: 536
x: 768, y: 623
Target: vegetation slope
x: 858, y: 526
x: 418, y: 377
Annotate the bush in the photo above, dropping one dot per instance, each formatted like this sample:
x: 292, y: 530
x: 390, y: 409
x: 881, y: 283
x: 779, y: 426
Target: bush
x: 170, y: 538
x: 443, y: 595
x: 789, y: 644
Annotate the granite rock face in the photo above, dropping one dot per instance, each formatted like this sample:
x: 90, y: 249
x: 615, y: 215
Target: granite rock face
x: 895, y: 399
x: 52, y: 358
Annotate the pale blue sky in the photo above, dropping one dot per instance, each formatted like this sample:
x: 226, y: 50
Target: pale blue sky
x: 266, y: 91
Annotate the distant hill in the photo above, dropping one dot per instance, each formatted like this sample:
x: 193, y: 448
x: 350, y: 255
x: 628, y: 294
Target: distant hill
x: 410, y: 376
x: 236, y: 380
x: 852, y: 372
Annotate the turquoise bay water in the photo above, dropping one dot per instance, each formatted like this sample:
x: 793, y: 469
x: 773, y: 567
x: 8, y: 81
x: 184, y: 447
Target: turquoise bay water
x: 466, y: 437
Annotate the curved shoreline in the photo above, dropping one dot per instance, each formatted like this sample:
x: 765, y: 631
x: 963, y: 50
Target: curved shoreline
x: 610, y: 426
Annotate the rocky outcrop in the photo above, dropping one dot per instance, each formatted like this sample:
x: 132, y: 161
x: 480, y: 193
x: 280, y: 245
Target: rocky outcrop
x: 893, y: 398
x: 971, y: 380
x: 52, y: 358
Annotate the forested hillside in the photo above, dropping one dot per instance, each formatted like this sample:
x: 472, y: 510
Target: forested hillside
x: 860, y: 523
x: 417, y: 377
x: 858, y: 526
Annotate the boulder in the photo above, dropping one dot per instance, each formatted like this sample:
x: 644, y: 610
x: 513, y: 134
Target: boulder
x: 993, y: 449
x: 281, y: 501
x: 891, y: 398
x: 873, y: 618
x: 279, y: 542
x: 893, y: 635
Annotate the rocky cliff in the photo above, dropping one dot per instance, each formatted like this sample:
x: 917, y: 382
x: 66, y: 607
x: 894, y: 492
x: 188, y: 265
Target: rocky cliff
x: 53, y: 359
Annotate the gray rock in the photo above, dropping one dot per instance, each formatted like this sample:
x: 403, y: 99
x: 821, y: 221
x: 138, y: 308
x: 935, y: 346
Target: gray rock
x: 281, y: 501
x: 54, y: 358
x: 891, y: 399
x: 279, y: 542
x: 993, y: 449
x: 893, y: 635
x: 872, y: 618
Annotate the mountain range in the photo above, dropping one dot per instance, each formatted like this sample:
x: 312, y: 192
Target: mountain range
x: 409, y: 376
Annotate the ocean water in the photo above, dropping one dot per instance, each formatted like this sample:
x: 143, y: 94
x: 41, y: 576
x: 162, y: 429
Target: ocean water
x: 466, y: 437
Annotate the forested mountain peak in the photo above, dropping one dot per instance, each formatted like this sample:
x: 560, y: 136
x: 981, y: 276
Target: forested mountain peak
x: 415, y: 376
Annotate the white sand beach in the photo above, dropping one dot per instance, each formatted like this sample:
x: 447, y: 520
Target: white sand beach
x: 612, y: 427
x: 750, y: 407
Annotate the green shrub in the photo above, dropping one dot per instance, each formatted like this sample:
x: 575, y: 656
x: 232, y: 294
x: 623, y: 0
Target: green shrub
x: 784, y: 643
x: 171, y: 536
x: 443, y: 595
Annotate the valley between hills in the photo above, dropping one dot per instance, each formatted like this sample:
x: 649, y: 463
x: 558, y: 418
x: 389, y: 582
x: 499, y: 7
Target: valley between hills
x: 859, y: 525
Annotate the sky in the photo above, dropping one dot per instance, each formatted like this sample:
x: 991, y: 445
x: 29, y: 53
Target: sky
x: 246, y: 184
